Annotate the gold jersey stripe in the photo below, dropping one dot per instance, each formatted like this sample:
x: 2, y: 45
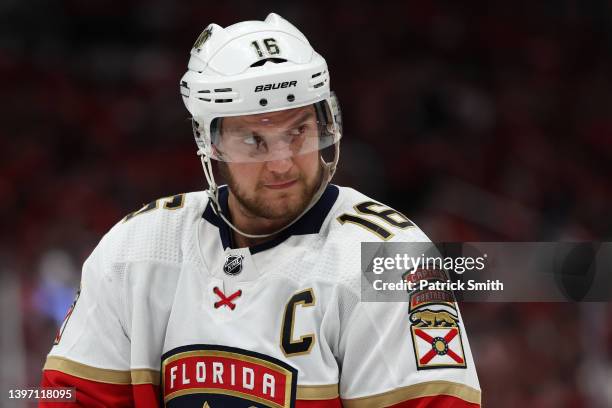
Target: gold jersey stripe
x: 426, y: 389
x: 135, y: 376
x: 317, y: 392
x: 145, y: 376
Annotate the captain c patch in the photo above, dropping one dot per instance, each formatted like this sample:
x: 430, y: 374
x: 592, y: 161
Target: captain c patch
x: 219, y: 376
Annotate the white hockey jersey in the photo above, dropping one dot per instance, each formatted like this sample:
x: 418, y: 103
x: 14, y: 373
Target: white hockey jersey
x: 170, y: 314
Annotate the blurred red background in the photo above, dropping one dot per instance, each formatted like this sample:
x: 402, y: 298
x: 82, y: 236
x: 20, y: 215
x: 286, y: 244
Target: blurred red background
x: 483, y: 122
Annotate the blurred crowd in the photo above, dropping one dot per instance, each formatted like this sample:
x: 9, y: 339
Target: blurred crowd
x: 487, y: 122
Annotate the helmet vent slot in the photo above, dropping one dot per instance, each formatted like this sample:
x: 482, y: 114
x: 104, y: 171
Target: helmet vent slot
x: 318, y: 79
x: 205, y: 91
x: 263, y: 61
x: 220, y: 95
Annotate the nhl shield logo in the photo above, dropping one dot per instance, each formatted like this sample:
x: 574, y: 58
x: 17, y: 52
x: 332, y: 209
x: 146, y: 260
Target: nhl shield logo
x: 233, y: 264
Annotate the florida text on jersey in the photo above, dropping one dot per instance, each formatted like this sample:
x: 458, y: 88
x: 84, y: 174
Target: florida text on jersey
x: 169, y: 313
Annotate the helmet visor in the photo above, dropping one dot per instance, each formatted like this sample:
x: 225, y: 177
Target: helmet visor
x: 274, y: 135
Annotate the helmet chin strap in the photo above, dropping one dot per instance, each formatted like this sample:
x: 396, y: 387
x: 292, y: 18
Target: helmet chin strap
x: 213, y: 191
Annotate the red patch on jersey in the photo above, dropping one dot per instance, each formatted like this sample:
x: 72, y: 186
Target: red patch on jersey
x: 425, y: 274
x: 421, y: 298
x: 220, y: 375
x: 438, y: 347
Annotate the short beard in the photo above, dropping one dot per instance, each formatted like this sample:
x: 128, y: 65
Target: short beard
x: 258, y: 207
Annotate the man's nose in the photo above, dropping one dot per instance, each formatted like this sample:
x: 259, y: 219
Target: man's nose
x: 280, y: 165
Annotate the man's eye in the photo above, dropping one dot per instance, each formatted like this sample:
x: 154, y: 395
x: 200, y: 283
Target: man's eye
x: 254, y: 140
x: 298, y: 130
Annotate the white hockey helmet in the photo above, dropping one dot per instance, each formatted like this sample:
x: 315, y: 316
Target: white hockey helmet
x: 250, y: 68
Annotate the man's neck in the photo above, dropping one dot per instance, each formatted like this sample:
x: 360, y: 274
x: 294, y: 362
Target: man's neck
x: 240, y: 241
x: 250, y: 224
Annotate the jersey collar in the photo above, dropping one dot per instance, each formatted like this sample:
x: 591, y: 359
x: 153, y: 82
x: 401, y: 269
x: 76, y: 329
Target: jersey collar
x: 310, y: 223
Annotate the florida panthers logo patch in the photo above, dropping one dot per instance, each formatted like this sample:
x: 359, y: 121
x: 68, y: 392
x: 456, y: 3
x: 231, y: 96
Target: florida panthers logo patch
x: 436, y: 330
x: 233, y: 264
x: 213, y: 376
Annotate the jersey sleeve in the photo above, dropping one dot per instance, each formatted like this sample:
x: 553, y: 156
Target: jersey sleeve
x: 408, y: 351
x: 389, y: 360
x: 91, y: 351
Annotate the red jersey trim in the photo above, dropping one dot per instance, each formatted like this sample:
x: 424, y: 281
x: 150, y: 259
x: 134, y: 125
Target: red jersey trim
x: 308, y: 395
x: 98, y: 394
x: 436, y: 391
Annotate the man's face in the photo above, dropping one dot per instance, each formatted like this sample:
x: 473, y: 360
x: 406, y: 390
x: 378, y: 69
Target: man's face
x: 281, y: 187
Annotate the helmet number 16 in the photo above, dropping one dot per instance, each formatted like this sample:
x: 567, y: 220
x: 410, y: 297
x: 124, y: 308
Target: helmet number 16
x: 270, y: 47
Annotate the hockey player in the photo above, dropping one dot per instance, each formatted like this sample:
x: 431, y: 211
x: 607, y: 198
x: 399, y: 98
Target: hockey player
x: 248, y: 295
